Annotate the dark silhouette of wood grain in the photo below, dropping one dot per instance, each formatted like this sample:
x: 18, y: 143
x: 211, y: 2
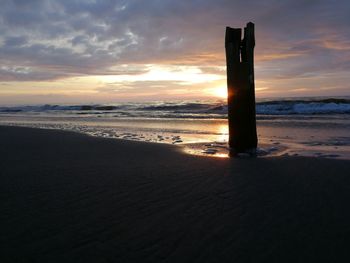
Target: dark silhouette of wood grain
x: 241, y: 88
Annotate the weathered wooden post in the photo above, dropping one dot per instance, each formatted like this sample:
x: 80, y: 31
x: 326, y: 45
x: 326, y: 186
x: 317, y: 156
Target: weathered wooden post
x: 241, y: 89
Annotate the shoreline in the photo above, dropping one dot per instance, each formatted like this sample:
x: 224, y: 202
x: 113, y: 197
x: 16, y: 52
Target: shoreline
x: 211, y: 147
x: 77, y: 198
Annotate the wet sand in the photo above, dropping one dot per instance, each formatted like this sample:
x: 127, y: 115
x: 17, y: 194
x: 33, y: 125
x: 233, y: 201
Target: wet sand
x: 67, y: 197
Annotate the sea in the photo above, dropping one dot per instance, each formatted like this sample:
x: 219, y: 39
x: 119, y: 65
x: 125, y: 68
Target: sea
x: 312, y: 126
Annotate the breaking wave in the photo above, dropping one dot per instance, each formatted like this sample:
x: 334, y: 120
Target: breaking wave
x: 197, y: 109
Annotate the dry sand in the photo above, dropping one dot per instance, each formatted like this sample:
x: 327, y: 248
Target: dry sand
x: 67, y: 197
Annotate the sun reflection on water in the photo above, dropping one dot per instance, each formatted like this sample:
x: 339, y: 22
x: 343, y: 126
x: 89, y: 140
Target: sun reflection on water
x: 223, y: 133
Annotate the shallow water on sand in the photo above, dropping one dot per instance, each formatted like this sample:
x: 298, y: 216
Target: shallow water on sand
x: 302, y: 135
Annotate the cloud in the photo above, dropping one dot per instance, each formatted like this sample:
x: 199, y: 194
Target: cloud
x: 60, y: 39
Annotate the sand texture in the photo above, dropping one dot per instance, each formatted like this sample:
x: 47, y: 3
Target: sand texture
x: 66, y: 197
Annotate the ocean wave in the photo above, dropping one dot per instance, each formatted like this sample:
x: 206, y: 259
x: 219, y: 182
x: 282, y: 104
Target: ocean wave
x: 288, y: 107
x: 193, y: 109
x: 273, y: 107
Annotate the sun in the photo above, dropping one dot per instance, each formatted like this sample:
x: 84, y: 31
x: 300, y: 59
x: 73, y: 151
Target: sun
x: 220, y: 92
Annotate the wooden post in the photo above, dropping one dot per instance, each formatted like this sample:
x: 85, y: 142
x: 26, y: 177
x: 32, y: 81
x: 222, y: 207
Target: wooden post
x: 241, y: 89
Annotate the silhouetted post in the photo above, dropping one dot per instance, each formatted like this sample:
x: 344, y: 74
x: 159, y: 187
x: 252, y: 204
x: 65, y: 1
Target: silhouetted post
x: 241, y: 88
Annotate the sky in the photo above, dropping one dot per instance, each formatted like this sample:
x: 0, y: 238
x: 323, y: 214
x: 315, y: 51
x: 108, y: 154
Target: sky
x: 92, y: 51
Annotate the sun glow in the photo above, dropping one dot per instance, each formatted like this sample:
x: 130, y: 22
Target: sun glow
x: 220, y: 92
x: 184, y: 75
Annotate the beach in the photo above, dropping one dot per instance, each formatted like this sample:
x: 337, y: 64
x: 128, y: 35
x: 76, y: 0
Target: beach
x: 69, y: 197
